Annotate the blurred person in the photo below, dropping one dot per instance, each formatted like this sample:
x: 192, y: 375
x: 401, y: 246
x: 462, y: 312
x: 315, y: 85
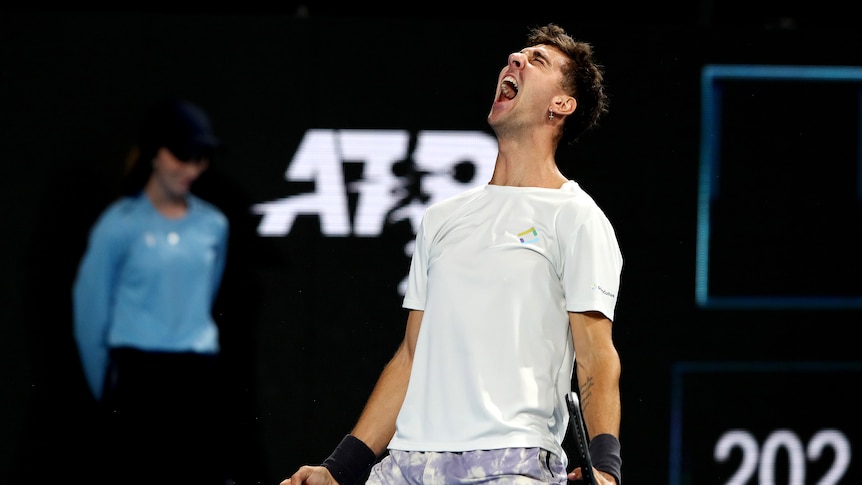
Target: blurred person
x: 512, y: 290
x: 143, y: 298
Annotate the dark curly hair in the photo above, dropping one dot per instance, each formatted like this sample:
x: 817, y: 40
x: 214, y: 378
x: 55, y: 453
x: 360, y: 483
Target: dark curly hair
x: 583, y: 78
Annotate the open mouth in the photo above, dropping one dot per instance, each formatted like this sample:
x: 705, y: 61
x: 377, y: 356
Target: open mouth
x: 509, y: 87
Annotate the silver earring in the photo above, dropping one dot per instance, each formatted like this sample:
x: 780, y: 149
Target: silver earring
x: 550, y: 115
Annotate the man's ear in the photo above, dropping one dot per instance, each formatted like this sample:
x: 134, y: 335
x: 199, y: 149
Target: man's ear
x: 565, y: 105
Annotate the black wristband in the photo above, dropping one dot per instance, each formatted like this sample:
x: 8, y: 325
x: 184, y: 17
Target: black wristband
x: 350, y: 460
x: 605, y: 453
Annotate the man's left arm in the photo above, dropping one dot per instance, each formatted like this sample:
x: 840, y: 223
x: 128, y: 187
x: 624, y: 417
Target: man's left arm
x: 598, y: 376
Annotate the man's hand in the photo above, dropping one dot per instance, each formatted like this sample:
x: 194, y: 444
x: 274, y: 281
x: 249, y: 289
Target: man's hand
x: 601, y: 477
x: 311, y: 475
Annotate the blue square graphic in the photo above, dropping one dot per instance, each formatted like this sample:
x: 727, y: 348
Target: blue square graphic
x: 780, y: 190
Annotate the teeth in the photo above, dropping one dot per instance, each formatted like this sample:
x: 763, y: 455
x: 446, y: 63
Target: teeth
x: 509, y: 87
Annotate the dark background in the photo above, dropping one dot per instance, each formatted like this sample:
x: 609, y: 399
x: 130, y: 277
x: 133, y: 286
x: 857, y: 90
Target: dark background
x: 308, y: 321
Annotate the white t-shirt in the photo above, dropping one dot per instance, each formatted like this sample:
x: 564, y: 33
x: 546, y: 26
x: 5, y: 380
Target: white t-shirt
x: 496, y: 270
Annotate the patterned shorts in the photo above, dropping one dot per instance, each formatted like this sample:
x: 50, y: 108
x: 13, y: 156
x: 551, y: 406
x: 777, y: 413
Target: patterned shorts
x: 509, y: 466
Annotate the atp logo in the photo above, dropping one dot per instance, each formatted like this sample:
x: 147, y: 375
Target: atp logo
x: 401, y: 173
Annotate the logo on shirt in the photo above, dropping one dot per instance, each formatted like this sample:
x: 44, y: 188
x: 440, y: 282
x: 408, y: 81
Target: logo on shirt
x: 529, y: 236
x: 604, y: 291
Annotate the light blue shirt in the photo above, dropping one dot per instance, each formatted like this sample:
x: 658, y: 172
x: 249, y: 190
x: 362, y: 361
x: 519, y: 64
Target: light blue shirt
x: 148, y: 282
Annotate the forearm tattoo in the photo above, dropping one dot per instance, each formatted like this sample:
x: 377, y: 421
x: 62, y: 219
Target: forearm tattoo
x: 586, y: 392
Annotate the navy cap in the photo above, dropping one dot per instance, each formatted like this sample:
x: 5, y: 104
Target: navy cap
x: 180, y: 126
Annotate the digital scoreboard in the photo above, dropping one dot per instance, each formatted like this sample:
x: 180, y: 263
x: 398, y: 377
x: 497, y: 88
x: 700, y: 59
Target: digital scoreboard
x: 765, y: 423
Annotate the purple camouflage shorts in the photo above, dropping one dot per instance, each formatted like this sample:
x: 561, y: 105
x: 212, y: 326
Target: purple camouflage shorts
x: 510, y: 466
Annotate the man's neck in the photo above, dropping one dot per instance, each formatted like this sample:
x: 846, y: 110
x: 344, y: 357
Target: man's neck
x: 528, y: 164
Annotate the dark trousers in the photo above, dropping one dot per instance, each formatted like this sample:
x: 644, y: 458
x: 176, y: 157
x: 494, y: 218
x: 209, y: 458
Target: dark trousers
x: 163, y: 419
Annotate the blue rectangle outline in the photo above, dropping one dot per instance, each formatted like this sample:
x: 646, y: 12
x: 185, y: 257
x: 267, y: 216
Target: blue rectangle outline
x: 678, y: 370
x: 709, y: 141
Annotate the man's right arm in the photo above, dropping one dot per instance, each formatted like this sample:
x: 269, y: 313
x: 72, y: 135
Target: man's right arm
x: 376, y: 424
